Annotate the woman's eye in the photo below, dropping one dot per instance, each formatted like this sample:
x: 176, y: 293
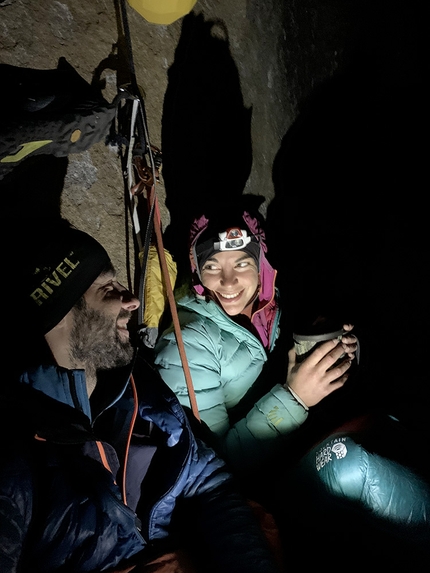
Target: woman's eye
x: 210, y: 268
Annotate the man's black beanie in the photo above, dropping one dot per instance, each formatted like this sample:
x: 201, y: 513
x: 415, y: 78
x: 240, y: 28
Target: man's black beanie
x: 60, y: 264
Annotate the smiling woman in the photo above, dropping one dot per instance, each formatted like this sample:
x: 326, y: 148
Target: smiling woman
x: 230, y: 323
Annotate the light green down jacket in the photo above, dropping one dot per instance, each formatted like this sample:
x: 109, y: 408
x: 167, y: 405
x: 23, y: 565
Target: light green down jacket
x: 225, y: 359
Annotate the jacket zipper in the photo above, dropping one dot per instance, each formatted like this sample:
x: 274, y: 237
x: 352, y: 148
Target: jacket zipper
x: 73, y: 392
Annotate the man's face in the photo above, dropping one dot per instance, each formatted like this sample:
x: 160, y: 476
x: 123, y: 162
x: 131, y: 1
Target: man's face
x: 99, y: 337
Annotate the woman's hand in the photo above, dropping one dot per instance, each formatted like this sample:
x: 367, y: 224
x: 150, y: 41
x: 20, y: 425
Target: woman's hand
x: 312, y: 380
x: 349, y: 341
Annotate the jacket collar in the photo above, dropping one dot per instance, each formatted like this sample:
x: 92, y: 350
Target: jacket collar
x: 51, y: 409
x: 65, y: 386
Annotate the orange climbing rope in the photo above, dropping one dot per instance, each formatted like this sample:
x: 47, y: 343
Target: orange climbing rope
x: 141, y: 176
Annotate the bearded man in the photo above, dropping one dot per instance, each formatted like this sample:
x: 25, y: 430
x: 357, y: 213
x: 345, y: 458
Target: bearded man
x: 99, y: 468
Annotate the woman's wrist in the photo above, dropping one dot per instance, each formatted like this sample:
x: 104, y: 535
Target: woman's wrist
x: 296, y: 397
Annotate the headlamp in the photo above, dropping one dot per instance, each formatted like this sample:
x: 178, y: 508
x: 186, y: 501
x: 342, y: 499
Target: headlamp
x: 232, y: 240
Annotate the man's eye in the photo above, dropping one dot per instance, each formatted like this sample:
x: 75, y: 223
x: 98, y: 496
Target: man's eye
x: 108, y: 288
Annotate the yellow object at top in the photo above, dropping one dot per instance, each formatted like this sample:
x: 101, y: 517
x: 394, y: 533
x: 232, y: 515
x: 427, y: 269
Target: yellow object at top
x: 162, y: 11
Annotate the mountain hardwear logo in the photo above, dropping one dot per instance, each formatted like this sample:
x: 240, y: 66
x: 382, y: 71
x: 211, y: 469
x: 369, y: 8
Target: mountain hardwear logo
x: 325, y: 454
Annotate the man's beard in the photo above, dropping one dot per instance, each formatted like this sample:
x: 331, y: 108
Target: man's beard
x: 95, y: 340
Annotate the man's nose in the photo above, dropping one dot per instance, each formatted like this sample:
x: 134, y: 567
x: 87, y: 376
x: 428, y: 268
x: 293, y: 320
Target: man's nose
x: 128, y: 300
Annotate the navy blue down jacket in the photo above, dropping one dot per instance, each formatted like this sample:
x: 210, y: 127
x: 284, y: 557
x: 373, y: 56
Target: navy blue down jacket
x: 68, y: 463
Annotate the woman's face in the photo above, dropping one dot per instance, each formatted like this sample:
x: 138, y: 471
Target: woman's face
x: 233, y: 279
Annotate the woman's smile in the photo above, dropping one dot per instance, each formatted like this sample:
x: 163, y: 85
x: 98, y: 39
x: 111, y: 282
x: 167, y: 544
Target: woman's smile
x: 229, y: 296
